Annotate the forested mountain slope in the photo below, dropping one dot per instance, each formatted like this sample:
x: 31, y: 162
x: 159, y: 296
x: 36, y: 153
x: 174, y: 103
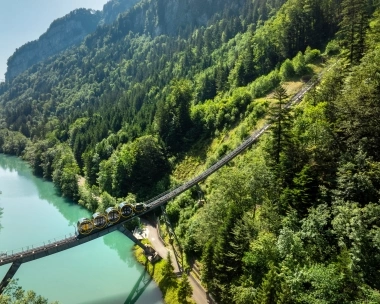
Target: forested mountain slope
x: 113, y: 8
x: 63, y: 33
x: 150, y: 100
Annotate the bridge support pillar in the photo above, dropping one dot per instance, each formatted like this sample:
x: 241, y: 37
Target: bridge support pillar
x: 9, y: 275
x: 150, y: 253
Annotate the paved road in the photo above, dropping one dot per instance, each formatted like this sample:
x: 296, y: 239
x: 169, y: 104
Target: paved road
x: 199, y: 294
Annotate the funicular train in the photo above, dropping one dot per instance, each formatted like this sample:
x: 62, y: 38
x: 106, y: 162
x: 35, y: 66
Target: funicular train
x: 111, y: 216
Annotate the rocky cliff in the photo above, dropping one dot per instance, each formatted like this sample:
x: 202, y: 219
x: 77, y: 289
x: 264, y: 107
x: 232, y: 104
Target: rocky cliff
x: 62, y: 33
x: 151, y: 17
x: 173, y: 17
x: 113, y: 8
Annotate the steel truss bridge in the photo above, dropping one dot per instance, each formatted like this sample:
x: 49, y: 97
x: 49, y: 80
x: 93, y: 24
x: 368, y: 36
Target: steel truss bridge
x: 39, y: 252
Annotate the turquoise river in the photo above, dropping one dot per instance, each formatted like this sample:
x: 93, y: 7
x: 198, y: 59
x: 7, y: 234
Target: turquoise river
x: 101, y: 271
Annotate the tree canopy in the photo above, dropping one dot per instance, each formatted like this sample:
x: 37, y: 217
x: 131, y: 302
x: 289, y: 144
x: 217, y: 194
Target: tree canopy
x: 295, y: 219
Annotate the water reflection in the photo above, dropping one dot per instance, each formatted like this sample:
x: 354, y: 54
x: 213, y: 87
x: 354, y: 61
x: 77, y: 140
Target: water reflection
x: 141, y: 293
x: 70, y: 210
x: 24, y: 194
x: 112, y: 240
x: 13, y: 164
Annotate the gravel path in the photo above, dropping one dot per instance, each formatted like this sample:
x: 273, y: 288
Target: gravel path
x: 150, y: 232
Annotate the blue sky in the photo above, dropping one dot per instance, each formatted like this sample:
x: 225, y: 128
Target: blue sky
x: 25, y: 20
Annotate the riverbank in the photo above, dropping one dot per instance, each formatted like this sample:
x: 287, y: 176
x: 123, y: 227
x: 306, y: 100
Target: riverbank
x: 150, y: 233
x: 33, y: 214
x: 162, y: 273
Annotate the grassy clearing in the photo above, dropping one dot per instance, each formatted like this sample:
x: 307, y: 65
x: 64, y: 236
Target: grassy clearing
x: 204, y: 153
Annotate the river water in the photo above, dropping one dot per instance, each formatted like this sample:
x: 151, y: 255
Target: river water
x: 100, y: 271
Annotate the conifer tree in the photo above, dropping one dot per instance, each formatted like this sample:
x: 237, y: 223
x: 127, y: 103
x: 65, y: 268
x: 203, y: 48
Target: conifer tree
x: 226, y: 269
x: 280, y: 122
x: 184, y: 289
x: 168, y: 271
x: 268, y: 291
x: 353, y: 28
x: 208, y: 265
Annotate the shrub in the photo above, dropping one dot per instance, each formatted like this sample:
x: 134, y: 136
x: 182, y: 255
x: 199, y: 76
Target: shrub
x: 332, y: 48
x: 286, y: 70
x: 299, y: 64
x: 312, y: 56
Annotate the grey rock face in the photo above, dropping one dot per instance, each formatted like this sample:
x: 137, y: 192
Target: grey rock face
x: 151, y: 17
x: 112, y: 9
x: 62, y: 34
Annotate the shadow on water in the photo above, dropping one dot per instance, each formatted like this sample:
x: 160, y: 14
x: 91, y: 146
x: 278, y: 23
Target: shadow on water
x: 140, y: 286
x: 138, y: 289
x: 70, y: 210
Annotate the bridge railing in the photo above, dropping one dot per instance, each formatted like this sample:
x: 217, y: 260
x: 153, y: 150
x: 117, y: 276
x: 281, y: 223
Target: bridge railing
x: 35, y: 248
x: 171, y: 193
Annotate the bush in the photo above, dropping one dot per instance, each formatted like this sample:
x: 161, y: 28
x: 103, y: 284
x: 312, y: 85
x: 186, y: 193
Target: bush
x: 264, y: 84
x: 312, y: 56
x: 332, y: 48
x: 286, y: 70
x: 299, y: 64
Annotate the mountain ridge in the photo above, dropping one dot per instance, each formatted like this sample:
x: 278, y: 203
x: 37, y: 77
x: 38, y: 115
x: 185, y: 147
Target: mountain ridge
x: 63, y: 33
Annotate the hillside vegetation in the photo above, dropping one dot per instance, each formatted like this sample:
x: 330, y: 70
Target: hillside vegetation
x: 296, y: 218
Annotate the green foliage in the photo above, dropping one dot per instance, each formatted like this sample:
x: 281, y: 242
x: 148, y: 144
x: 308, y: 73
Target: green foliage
x: 280, y: 124
x: 88, y: 200
x: 358, y: 106
x: 208, y: 268
x: 357, y: 232
x: 173, y: 116
x: 65, y: 174
x: 262, y: 252
x: 358, y: 180
x: 159, y: 272
x: 287, y: 70
x: 299, y: 64
x: 11, y: 142
x: 222, y: 111
x: 372, y: 38
x: 225, y: 266
x: 264, y: 84
x: 326, y: 285
x: 106, y: 201
x: 184, y: 289
x: 174, y: 207
x: 293, y: 220
x: 14, y: 294
x: 332, y: 48
x: 353, y: 26
x: 135, y: 167
x: 168, y: 272
x: 268, y: 291
x: 312, y: 56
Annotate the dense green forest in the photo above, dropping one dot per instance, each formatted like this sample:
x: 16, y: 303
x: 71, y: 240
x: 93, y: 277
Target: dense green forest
x: 296, y: 218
